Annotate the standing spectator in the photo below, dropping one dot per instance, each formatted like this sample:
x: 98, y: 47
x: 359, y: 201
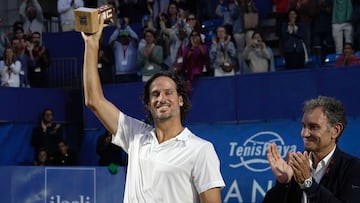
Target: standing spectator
x: 348, y: 58
x: 108, y: 152
x: 47, y: 134
x: 323, y: 172
x: 10, y: 69
x: 281, y: 10
x: 32, y: 15
x: 323, y: 42
x: 106, y: 61
x: 64, y: 155
x: 38, y: 72
x: 65, y: 10
x: 292, y: 40
x: 4, y: 40
x: 237, y: 16
x: 24, y: 53
x: 258, y: 55
x: 124, y: 42
x: 150, y: 57
x: 306, y: 10
x: 196, y: 59
x: 356, y: 24
x: 222, y: 54
x: 341, y: 23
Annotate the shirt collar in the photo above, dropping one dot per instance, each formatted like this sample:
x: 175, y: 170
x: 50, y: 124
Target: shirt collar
x: 325, y: 161
x: 151, y: 136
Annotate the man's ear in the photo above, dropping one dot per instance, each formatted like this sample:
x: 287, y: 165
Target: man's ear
x: 336, y: 130
x: 181, y: 101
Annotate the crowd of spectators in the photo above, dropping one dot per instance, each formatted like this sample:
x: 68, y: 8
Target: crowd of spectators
x: 174, y: 39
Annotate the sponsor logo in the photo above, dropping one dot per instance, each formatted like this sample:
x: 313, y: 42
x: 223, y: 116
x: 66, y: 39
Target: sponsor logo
x: 252, y: 153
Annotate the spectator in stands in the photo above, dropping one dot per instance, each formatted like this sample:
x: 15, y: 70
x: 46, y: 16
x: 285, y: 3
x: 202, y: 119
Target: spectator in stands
x: 195, y: 25
x: 323, y: 42
x: 322, y: 173
x: 38, y: 72
x: 196, y: 58
x: 108, y: 152
x: 10, y: 69
x: 106, y: 61
x: 24, y: 53
x: 124, y: 42
x: 341, y: 23
x: 257, y: 55
x: 222, y: 54
x: 292, y: 39
x: 47, y: 134
x: 32, y: 16
x: 4, y: 40
x: 178, y: 154
x: 64, y: 155
x: 355, y: 20
x: 65, y: 10
x: 237, y: 16
x: 41, y: 158
x: 150, y: 57
x: 306, y: 10
x: 281, y: 14
x: 158, y: 7
x: 222, y: 11
x: 173, y: 13
x: 178, y: 40
x: 348, y: 58
x: 18, y: 32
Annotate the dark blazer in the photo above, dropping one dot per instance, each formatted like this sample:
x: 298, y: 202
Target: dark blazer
x: 340, y: 183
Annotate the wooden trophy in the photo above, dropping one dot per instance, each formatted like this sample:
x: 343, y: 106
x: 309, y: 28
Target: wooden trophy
x: 87, y: 19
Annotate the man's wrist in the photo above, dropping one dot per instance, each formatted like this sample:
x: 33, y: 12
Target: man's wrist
x: 307, y: 183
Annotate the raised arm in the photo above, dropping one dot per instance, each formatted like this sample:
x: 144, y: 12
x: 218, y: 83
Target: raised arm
x: 104, y: 110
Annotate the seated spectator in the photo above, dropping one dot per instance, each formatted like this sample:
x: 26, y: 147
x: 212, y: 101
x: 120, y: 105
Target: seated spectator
x: 196, y: 59
x: 150, y: 57
x: 348, y: 58
x: 10, y: 69
x: 106, y: 61
x: 38, y: 71
x: 65, y: 10
x: 108, y: 152
x: 292, y: 39
x: 124, y: 42
x: 41, y: 158
x: 222, y: 54
x: 65, y: 156
x: 32, y: 15
x: 257, y: 55
x: 47, y: 134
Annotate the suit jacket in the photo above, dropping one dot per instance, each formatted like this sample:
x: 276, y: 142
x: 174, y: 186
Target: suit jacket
x: 340, y: 183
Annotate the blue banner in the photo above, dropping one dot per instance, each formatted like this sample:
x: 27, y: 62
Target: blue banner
x: 241, y: 149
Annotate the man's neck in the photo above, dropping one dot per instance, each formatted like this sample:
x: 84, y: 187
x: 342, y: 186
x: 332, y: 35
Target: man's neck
x: 166, y: 130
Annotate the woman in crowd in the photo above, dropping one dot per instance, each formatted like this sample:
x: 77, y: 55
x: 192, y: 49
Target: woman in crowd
x: 10, y: 69
x: 293, y: 44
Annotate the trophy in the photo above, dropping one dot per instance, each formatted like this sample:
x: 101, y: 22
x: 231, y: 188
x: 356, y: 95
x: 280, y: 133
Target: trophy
x: 87, y: 19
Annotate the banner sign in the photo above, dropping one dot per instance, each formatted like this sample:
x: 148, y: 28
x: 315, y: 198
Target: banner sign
x: 241, y: 149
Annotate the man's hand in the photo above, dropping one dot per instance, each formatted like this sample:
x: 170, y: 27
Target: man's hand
x: 301, y: 166
x: 95, y: 37
x: 282, y: 171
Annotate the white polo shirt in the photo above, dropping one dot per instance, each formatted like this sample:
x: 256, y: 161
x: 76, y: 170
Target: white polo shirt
x: 177, y: 170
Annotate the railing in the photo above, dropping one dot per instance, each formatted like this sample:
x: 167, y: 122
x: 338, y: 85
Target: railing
x: 63, y: 73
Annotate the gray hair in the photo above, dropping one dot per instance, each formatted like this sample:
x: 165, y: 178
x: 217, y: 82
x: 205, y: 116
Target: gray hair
x: 333, y: 109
